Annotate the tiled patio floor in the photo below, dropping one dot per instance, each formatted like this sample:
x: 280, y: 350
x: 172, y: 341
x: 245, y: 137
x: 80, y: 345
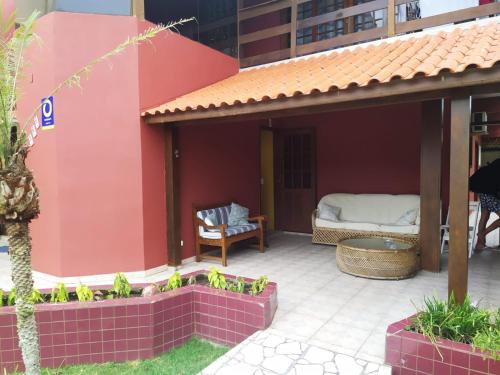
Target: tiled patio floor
x: 321, y: 306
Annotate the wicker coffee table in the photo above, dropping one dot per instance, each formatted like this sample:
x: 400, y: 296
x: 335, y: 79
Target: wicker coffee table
x: 377, y: 258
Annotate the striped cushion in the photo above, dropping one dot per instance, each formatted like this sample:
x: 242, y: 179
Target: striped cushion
x: 222, y: 214
x: 230, y: 231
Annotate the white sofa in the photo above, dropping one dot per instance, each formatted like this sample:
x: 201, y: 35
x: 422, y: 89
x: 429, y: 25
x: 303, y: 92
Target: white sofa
x: 367, y: 215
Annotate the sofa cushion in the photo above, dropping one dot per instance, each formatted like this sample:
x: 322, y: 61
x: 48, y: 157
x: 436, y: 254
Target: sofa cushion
x: 408, y: 218
x: 368, y: 227
x: 383, y: 209
x: 238, y: 215
x: 327, y: 212
x: 230, y: 231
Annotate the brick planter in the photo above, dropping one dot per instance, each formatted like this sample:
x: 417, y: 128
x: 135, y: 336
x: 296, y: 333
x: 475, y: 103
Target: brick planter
x: 413, y: 353
x: 137, y: 328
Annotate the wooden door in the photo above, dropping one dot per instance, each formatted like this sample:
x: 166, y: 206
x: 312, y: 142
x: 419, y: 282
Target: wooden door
x: 295, y: 184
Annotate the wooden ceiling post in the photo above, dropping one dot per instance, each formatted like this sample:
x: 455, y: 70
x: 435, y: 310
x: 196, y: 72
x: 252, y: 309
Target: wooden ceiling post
x: 138, y: 9
x: 174, y: 251
x: 459, y: 196
x: 430, y: 184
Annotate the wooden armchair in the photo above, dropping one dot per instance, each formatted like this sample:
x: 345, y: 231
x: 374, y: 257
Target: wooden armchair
x: 223, y: 235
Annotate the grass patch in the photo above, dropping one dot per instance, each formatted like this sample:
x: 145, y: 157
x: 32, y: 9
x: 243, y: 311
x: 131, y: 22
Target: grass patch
x: 188, y: 359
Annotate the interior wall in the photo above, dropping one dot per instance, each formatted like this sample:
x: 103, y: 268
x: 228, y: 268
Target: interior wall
x: 373, y: 150
x: 218, y: 164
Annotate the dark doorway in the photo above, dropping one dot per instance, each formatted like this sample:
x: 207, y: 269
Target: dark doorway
x: 295, y: 185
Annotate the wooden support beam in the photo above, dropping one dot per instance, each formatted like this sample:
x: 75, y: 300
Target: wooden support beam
x: 349, y: 21
x: 138, y: 9
x: 391, y: 18
x: 459, y: 196
x: 293, y: 29
x: 430, y: 184
x: 172, y: 188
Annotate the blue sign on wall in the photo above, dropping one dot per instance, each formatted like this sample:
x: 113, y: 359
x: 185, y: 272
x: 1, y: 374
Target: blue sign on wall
x: 48, y: 113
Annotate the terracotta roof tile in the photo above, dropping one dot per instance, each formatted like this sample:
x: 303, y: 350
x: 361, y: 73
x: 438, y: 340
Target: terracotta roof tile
x: 425, y: 54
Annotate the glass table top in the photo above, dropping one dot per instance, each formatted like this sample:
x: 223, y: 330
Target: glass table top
x: 377, y: 243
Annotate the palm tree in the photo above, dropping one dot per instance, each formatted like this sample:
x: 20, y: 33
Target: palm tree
x: 19, y: 203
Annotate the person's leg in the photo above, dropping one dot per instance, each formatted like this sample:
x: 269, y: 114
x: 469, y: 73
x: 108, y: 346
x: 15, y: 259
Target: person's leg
x: 481, y: 236
x: 493, y: 226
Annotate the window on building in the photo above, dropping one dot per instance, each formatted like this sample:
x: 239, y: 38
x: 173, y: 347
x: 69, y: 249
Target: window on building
x: 215, y: 24
x: 323, y: 31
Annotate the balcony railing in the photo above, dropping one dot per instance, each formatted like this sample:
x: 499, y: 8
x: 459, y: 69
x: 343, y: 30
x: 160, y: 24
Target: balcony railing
x: 286, y: 31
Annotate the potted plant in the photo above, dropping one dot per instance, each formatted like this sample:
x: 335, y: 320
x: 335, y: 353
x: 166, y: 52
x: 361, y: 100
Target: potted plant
x: 446, y: 337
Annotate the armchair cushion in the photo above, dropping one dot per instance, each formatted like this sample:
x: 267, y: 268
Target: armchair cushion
x: 238, y: 215
x: 230, y: 231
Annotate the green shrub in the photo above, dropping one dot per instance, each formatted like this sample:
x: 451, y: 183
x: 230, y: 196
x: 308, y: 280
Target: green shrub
x: 258, y: 286
x: 36, y: 296
x: 216, y: 279
x: 84, y: 293
x: 11, y: 298
x: 121, y: 286
x: 466, y: 323
x: 1, y: 297
x: 237, y: 285
x: 59, y: 294
x: 174, y: 282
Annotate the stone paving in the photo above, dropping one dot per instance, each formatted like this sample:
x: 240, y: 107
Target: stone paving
x: 267, y: 354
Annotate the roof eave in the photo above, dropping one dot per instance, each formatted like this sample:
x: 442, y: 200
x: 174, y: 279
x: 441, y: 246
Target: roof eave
x: 475, y: 81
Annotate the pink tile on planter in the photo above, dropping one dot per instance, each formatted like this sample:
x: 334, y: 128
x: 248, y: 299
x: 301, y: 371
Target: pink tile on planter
x: 409, y: 346
x: 108, y: 346
x: 95, y: 324
x: 56, y: 316
x: 494, y: 366
x: 108, y: 323
x: 409, y: 361
x: 70, y: 326
x: 121, y: 345
x: 392, y: 342
x: 443, y: 355
x: 120, y: 356
x: 107, y: 312
x: 108, y: 357
x: 83, y: 325
x: 455, y: 370
x: 69, y: 315
x: 58, y: 339
x: 82, y: 314
x: 72, y: 338
x: 405, y: 371
x: 132, y: 355
x: 426, y: 350
x: 95, y: 313
x: 41, y: 317
x: 58, y: 327
x: 442, y: 368
x: 45, y: 328
x: 120, y: 311
x: 45, y: 352
x: 478, y: 363
x: 71, y: 350
x: 83, y: 349
x: 393, y: 357
x: 83, y: 337
x: 425, y: 365
x: 460, y: 359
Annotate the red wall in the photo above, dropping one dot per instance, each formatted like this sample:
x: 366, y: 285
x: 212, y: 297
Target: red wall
x: 218, y: 164
x: 101, y: 170
x: 374, y: 150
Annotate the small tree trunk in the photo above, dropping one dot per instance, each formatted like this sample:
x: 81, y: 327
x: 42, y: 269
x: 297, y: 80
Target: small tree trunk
x: 20, y: 257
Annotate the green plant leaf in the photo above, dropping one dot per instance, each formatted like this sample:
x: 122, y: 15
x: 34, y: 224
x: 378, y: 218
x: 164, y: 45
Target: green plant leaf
x: 84, y: 293
x: 121, y: 286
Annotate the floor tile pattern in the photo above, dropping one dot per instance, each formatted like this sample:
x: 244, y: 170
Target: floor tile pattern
x: 270, y: 354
